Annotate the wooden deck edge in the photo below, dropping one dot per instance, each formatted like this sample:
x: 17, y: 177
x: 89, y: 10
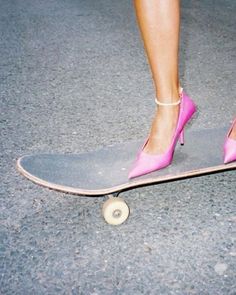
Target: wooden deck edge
x: 129, y: 185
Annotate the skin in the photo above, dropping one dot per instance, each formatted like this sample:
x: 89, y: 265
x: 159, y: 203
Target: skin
x: 232, y: 134
x: 159, y: 24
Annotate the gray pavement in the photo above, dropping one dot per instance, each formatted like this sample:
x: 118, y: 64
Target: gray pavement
x: 74, y: 77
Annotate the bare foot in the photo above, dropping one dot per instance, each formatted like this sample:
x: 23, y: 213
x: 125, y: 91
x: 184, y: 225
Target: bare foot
x: 233, y: 132
x: 162, y: 130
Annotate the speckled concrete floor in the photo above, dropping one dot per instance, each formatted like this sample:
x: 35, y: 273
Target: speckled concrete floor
x: 73, y: 77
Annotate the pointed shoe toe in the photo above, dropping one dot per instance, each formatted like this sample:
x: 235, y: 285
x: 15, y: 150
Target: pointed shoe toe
x: 230, y: 146
x: 147, y: 163
x: 229, y: 151
x: 135, y: 172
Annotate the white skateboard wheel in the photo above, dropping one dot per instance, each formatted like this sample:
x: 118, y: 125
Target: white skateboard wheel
x: 115, y: 211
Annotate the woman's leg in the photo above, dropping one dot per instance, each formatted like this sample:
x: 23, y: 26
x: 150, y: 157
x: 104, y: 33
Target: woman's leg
x: 159, y: 23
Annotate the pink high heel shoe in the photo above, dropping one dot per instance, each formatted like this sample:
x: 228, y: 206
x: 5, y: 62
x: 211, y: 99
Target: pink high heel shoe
x: 230, y: 147
x: 146, y: 163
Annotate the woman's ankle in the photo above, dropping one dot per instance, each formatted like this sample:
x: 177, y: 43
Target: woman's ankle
x: 168, y: 95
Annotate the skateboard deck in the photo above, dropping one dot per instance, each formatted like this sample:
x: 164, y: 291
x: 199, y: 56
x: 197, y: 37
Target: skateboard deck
x: 105, y: 171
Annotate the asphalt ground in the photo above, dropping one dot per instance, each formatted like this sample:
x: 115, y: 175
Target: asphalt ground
x: 74, y: 77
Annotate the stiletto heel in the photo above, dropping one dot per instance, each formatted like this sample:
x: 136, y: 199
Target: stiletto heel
x: 230, y: 146
x: 181, y: 137
x: 146, y: 163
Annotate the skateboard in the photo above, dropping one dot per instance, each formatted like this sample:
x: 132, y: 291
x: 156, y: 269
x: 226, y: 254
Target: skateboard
x: 104, y: 172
